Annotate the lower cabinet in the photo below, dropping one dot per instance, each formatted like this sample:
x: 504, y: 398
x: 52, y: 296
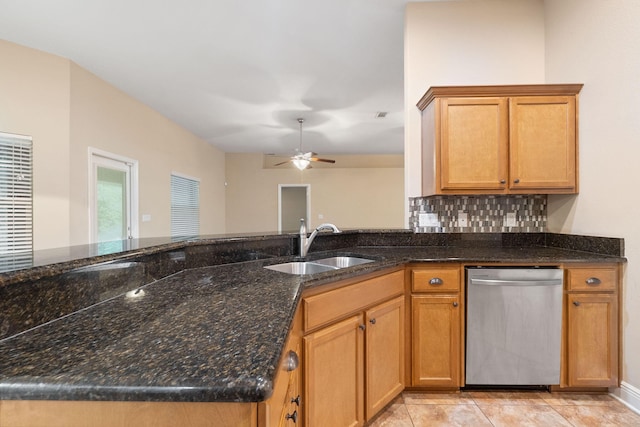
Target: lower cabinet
x: 437, y: 316
x: 436, y: 322
x: 353, y: 351
x: 592, y: 327
x: 282, y: 409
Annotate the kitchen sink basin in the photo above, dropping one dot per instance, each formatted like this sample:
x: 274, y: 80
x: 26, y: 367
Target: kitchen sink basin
x: 300, y: 267
x: 318, y: 266
x: 343, y: 261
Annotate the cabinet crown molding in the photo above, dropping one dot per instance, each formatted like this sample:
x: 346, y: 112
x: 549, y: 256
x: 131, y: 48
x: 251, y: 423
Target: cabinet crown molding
x: 499, y: 90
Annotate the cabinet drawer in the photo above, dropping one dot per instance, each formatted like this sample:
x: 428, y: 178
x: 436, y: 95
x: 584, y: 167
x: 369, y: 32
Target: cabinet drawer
x: 435, y: 280
x: 323, y: 308
x: 592, y: 279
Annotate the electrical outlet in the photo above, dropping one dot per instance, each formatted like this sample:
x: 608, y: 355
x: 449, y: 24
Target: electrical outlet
x: 146, y: 217
x: 510, y: 220
x: 462, y: 219
x: 428, y: 220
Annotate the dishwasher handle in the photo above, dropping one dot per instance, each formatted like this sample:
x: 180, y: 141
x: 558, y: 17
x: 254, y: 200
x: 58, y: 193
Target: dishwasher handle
x: 500, y: 282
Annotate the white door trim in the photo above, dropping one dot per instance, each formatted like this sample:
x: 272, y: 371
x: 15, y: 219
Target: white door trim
x: 96, y: 154
x: 308, y: 192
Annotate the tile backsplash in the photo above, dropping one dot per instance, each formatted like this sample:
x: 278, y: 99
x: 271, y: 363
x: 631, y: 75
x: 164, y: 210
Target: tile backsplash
x: 484, y: 214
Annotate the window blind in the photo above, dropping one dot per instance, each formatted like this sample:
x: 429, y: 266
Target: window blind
x: 16, y: 198
x: 185, y: 206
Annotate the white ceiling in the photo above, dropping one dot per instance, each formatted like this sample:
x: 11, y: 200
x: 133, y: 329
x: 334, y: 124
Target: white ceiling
x: 238, y: 73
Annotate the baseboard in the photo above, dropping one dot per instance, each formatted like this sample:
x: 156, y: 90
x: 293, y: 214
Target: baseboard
x: 628, y: 395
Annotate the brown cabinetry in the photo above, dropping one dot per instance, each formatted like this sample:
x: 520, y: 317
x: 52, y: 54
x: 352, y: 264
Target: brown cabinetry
x: 500, y: 139
x: 437, y: 327
x: 283, y: 407
x: 591, y: 357
x: 353, y: 350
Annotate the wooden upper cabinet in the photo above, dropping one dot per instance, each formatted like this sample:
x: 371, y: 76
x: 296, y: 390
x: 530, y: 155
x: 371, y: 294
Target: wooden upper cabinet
x: 473, y: 148
x: 519, y: 139
x: 542, y: 143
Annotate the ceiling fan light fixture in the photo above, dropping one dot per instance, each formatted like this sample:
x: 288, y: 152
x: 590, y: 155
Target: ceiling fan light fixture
x: 301, y: 163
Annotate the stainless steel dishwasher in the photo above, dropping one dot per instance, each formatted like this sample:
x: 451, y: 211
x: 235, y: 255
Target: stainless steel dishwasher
x: 514, y: 322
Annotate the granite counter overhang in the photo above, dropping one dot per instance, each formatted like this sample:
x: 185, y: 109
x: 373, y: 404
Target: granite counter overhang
x: 203, y: 334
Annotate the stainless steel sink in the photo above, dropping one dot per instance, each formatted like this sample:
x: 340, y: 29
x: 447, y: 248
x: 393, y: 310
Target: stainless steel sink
x: 300, y: 267
x: 343, y: 261
x: 318, y: 266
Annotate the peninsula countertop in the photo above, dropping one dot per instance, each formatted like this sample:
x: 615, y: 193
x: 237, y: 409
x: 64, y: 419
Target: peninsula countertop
x: 203, y: 334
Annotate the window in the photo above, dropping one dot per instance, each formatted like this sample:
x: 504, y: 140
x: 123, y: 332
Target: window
x: 185, y: 206
x: 16, y: 199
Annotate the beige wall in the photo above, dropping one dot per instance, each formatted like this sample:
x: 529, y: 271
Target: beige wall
x: 34, y: 101
x: 595, y: 42
x: 66, y: 110
x: 105, y: 118
x: 466, y: 43
x: 348, y: 197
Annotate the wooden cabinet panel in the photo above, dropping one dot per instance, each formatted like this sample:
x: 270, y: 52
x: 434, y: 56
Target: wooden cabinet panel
x: 285, y: 400
x: 592, y: 342
x: 441, y: 279
x: 54, y: 413
x: 519, y: 139
x: 542, y: 143
x: 326, y: 307
x: 474, y: 143
x: 436, y: 346
x: 384, y: 345
x: 354, y: 363
x: 592, y: 279
x: 334, y: 369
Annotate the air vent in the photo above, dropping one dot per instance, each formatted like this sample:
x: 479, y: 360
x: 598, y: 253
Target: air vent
x: 381, y: 114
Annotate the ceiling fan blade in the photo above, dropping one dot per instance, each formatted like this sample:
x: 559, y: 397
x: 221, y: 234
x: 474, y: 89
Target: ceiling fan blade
x: 317, y: 159
x: 282, y: 163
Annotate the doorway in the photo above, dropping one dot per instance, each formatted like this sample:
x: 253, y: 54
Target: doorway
x: 113, y: 197
x: 293, y: 204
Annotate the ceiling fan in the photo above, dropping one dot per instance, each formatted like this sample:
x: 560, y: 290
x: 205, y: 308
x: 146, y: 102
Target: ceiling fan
x: 303, y: 160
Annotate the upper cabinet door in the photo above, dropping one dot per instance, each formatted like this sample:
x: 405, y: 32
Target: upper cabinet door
x: 473, y: 151
x: 542, y: 144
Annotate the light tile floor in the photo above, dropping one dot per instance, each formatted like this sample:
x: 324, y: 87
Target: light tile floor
x: 498, y: 409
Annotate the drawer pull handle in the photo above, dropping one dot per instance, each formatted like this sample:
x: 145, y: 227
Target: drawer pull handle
x: 576, y: 303
x: 292, y: 361
x: 516, y: 181
x: 436, y: 281
x: 296, y: 400
x: 455, y: 303
x: 503, y: 181
x: 293, y: 417
x: 372, y: 321
x: 593, y: 281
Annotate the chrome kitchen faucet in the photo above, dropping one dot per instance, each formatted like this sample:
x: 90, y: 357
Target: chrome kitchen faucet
x: 305, y: 241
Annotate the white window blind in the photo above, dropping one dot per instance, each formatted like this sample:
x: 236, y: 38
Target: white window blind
x: 16, y: 197
x: 185, y: 206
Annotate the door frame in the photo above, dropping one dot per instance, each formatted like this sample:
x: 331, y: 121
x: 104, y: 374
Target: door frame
x: 94, y: 153
x: 308, y: 192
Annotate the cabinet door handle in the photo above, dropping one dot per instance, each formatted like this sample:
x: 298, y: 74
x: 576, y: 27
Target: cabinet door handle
x: 503, y: 181
x: 593, y: 281
x: 296, y: 400
x: 292, y: 361
x: 436, y: 281
x: 362, y: 327
x: 516, y: 181
x: 372, y: 321
x: 576, y: 303
x: 293, y: 417
x: 455, y: 303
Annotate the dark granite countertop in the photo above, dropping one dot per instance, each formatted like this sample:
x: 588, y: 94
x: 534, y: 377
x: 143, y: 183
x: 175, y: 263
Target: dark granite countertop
x: 212, y: 333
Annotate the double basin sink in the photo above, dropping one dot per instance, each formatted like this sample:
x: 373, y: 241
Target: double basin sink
x: 318, y: 265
